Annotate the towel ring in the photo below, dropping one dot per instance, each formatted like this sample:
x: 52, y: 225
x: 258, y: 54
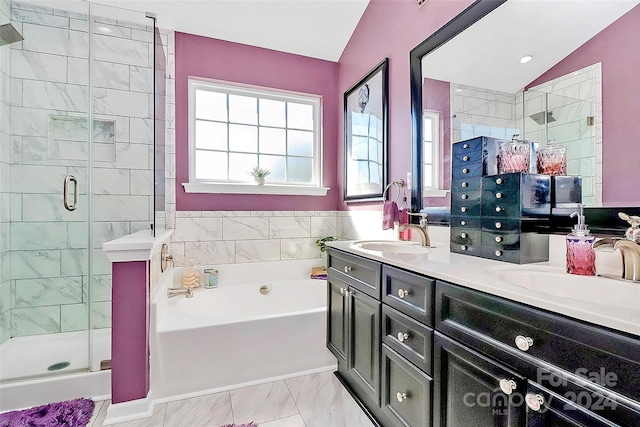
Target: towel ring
x: 399, y: 184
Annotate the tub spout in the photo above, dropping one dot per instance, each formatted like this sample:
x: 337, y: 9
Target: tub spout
x: 630, y: 252
x: 174, y: 292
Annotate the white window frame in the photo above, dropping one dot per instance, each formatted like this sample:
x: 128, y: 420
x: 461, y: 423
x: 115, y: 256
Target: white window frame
x: 195, y: 185
x: 435, y: 190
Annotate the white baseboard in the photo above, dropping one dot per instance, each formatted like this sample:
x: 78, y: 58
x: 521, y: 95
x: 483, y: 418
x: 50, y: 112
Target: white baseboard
x: 129, y: 411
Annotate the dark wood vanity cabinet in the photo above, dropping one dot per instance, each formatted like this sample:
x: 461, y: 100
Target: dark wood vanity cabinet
x: 420, y: 352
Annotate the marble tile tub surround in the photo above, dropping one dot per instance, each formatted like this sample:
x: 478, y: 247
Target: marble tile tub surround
x: 48, y: 113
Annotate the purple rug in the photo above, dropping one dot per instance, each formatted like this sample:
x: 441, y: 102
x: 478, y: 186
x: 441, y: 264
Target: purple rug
x: 71, y: 413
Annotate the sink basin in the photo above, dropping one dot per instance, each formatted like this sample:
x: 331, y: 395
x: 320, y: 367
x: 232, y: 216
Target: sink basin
x: 392, y: 246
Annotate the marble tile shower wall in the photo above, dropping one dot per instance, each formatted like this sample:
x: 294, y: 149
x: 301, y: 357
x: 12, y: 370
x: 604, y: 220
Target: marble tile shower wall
x: 49, y: 77
x: 482, y: 112
x: 217, y: 237
x: 5, y: 158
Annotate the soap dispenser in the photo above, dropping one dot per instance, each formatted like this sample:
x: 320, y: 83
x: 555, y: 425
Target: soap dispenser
x: 581, y: 258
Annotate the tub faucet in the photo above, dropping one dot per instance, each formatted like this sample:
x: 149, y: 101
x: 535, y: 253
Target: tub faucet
x: 421, y: 229
x: 629, y: 248
x: 174, y: 292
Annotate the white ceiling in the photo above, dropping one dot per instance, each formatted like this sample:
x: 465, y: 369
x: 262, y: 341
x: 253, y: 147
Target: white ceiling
x: 487, y: 55
x: 314, y: 28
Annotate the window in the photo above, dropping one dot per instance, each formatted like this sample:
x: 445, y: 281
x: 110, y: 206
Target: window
x: 233, y: 129
x: 431, y: 139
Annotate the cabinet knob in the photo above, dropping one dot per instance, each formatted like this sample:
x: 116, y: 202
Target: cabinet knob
x: 534, y: 401
x: 524, y: 343
x: 465, y: 184
x: 401, y: 396
x: 463, y: 235
x: 463, y: 247
x: 499, y: 181
x: 507, y: 386
x: 465, y: 158
x: 402, y: 336
x: 463, y: 209
x: 498, y: 224
x: 463, y: 222
x: 465, y: 170
x: 498, y: 239
x: 498, y: 253
x: 465, y: 146
x: 347, y: 268
x: 464, y: 196
x: 403, y: 293
x: 499, y: 209
x: 498, y: 195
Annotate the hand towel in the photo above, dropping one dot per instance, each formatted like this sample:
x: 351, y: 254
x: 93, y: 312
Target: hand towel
x: 390, y: 214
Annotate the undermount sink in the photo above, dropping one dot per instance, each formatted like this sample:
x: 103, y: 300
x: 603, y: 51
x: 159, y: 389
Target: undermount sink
x: 391, y: 246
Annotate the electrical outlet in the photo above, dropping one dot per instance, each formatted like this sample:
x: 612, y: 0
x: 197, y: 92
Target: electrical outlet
x: 409, y: 181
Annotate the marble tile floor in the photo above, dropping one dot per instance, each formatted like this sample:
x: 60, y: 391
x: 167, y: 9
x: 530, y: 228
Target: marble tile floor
x: 317, y: 400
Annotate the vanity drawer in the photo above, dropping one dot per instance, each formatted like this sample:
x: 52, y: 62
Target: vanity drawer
x: 478, y: 319
x: 411, y: 339
x: 361, y: 273
x: 408, y: 293
x: 466, y: 184
x: 406, y: 391
x: 469, y: 206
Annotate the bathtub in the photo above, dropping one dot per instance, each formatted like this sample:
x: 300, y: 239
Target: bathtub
x: 234, y: 336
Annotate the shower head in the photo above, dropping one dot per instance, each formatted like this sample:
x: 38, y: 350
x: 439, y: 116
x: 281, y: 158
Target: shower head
x: 540, y: 117
x: 9, y: 34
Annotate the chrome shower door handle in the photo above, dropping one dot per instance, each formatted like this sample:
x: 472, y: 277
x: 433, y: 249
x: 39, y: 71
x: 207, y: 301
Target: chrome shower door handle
x: 68, y: 180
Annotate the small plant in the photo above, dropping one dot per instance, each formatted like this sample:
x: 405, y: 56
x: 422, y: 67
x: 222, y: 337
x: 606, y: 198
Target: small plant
x: 321, y: 242
x: 258, y: 172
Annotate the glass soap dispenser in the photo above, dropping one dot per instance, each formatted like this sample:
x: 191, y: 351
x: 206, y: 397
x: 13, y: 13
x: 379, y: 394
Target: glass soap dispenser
x: 581, y: 257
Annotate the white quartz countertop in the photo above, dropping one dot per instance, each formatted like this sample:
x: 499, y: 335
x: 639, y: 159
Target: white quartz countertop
x: 599, y: 300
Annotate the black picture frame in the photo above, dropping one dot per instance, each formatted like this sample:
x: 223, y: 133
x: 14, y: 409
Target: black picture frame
x: 366, y: 115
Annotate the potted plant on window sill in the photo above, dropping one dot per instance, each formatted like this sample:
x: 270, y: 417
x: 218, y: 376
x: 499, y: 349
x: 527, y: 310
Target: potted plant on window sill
x: 259, y: 174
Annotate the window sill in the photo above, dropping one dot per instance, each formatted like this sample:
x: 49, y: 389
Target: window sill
x: 434, y: 193
x: 275, y: 189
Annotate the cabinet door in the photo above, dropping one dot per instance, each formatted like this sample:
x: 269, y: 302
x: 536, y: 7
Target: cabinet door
x: 337, y: 318
x: 364, y: 343
x: 471, y: 390
x: 547, y: 409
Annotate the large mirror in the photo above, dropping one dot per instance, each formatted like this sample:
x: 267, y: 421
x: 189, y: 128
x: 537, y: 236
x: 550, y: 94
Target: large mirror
x: 579, y: 89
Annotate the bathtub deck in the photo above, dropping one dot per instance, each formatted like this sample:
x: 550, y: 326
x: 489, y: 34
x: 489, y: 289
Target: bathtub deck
x: 317, y: 400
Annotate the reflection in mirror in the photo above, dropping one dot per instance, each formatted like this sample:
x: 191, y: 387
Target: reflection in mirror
x: 557, y: 96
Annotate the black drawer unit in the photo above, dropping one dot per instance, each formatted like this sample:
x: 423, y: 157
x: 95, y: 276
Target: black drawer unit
x: 511, y: 240
x: 409, y: 293
x: 411, y: 339
x: 515, y: 195
x: 361, y: 273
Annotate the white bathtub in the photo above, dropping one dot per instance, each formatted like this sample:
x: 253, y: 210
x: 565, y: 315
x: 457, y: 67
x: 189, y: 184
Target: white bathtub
x: 233, y: 336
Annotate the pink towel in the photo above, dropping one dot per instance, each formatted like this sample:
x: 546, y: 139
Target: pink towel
x: 390, y: 214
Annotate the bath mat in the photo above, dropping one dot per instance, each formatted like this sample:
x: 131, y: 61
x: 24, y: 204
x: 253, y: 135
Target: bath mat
x: 251, y: 424
x: 71, y: 413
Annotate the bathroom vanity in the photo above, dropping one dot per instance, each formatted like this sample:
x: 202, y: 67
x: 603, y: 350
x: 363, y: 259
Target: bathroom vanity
x: 426, y: 337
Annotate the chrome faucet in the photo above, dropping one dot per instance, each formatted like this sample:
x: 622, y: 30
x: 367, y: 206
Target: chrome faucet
x: 629, y: 247
x: 421, y: 228
x: 174, y: 292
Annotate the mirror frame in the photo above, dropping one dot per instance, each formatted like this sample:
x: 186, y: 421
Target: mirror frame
x: 461, y: 22
x: 603, y: 221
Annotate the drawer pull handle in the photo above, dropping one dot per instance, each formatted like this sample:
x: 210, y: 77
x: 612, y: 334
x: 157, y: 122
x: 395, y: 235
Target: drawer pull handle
x: 498, y: 253
x: 499, y: 181
x: 498, y: 239
x: 341, y: 291
x: 403, y: 292
x: 534, y: 401
x: 463, y: 235
x: 523, y: 343
x: 498, y: 225
x: 465, y: 158
x: 463, y: 247
x: 464, y: 197
x: 401, y: 396
x: 463, y: 222
x: 465, y: 170
x: 499, y: 209
x: 466, y: 146
x: 403, y: 336
x: 465, y: 184
x: 498, y: 195
x: 507, y: 386
x: 463, y: 209
x: 347, y: 268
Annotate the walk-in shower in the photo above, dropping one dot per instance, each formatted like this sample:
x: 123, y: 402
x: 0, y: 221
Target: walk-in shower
x: 77, y: 125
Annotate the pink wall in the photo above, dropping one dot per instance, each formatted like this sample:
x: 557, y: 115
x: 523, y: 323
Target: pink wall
x: 221, y: 60
x: 618, y: 48
x: 391, y: 29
